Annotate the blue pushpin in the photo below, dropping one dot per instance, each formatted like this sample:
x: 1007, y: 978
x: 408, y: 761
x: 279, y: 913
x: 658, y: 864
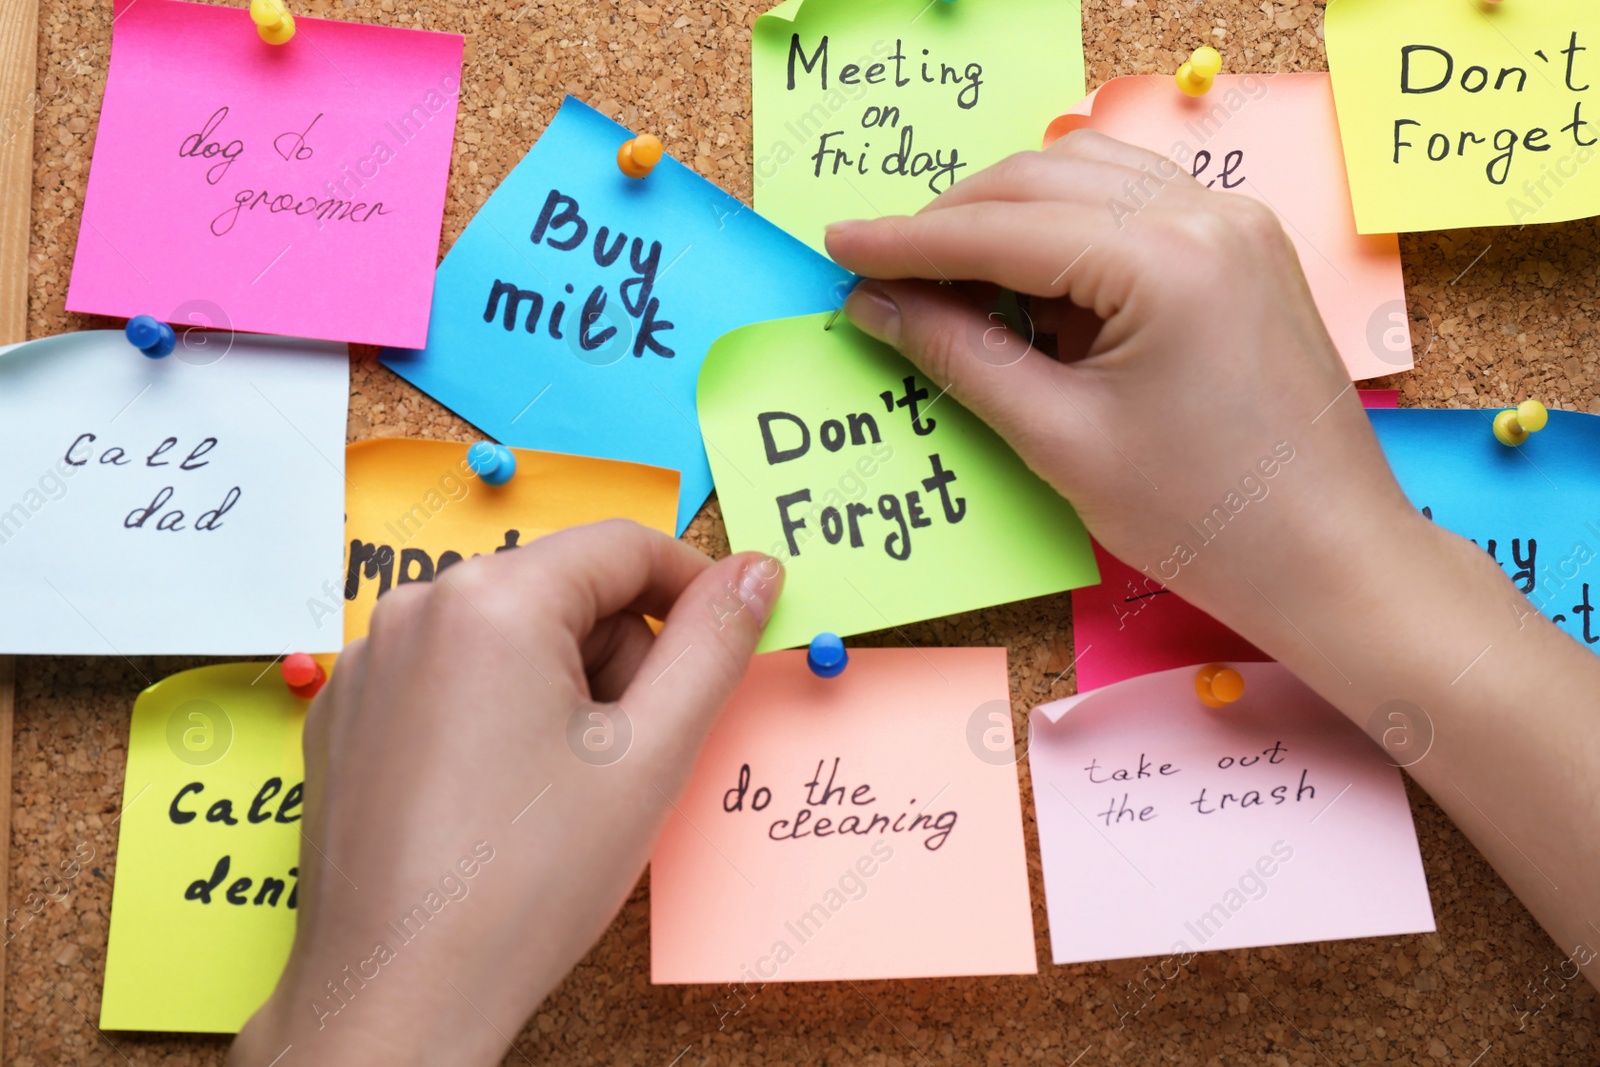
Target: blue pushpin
x: 154, y: 339
x: 493, y: 463
x: 827, y: 657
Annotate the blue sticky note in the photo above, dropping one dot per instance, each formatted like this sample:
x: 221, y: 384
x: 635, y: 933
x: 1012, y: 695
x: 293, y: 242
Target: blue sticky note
x: 1535, y: 509
x: 575, y: 311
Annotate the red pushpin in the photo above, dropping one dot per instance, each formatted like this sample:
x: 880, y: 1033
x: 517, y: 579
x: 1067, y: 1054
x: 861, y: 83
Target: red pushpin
x: 638, y: 157
x: 1217, y: 685
x: 303, y: 675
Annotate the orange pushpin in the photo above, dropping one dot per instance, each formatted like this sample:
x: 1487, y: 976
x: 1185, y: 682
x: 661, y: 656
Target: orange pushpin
x: 1217, y: 685
x: 1513, y: 425
x: 638, y: 157
x: 273, y: 21
x: 303, y: 675
x: 1195, y: 77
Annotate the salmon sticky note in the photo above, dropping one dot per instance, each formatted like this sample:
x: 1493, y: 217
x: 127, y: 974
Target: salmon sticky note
x: 1167, y: 827
x: 887, y: 501
x: 1467, y: 114
x: 1273, y: 137
x: 415, y: 508
x: 207, y: 881
x: 864, y: 826
x: 169, y: 506
x: 292, y: 189
x: 874, y: 109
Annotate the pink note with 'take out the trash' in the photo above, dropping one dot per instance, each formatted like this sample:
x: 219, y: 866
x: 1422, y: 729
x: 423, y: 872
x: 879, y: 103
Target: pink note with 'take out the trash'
x: 293, y: 189
x: 1168, y: 828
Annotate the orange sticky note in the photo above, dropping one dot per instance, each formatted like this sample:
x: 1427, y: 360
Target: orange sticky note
x: 864, y: 826
x: 1274, y: 137
x: 414, y: 508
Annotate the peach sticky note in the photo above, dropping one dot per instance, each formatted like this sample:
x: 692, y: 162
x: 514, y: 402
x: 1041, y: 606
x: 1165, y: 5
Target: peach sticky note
x: 288, y: 189
x: 1167, y: 827
x: 414, y: 509
x: 864, y: 826
x: 1273, y: 137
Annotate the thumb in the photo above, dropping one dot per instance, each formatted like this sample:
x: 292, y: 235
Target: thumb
x: 703, y: 649
x: 987, y: 367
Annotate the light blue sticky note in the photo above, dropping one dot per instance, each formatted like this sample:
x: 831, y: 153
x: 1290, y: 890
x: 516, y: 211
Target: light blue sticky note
x: 639, y: 276
x: 1535, y: 509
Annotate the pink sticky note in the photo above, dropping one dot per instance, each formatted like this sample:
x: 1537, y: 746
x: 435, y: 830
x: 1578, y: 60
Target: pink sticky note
x: 1168, y: 828
x: 294, y: 189
x: 1274, y: 137
x: 864, y: 826
x: 1130, y: 624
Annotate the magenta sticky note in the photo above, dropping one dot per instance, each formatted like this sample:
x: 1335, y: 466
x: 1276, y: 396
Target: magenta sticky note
x: 292, y: 189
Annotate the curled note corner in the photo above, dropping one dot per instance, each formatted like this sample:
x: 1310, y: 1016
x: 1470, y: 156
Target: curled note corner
x: 1074, y: 119
x: 786, y: 11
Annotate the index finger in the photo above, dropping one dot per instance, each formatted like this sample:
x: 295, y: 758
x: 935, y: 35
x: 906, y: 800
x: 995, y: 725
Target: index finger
x: 583, y: 574
x: 1028, y: 247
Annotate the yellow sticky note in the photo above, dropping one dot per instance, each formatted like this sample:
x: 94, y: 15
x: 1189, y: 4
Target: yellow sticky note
x: 414, y: 508
x: 868, y: 109
x: 1461, y: 113
x: 207, y: 878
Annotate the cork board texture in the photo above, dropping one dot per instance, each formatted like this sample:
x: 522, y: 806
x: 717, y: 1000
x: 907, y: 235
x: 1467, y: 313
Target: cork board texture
x: 1498, y: 314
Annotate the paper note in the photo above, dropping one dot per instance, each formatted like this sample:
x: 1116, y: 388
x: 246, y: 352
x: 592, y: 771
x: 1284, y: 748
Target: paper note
x: 874, y: 109
x: 1167, y: 828
x: 1535, y: 509
x: 415, y: 508
x: 574, y: 312
x: 1466, y: 113
x: 1132, y: 624
x: 1274, y: 138
x: 864, y: 826
x: 886, y: 500
x: 293, y: 189
x: 183, y: 505
x: 207, y: 877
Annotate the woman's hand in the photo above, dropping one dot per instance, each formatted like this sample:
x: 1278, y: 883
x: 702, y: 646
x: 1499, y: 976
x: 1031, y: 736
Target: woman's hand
x: 1196, y: 388
x: 486, y: 775
x: 1204, y: 427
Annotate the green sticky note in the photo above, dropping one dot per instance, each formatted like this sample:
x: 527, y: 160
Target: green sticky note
x: 207, y: 879
x: 873, y: 109
x: 886, y: 500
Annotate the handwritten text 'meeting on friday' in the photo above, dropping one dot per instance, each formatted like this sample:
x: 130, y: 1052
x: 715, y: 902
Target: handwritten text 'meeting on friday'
x: 938, y: 167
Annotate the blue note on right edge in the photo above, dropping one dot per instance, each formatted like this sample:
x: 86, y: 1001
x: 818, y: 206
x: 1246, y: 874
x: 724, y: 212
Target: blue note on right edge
x: 1535, y: 509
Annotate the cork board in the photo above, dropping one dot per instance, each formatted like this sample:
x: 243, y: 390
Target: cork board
x: 1499, y: 314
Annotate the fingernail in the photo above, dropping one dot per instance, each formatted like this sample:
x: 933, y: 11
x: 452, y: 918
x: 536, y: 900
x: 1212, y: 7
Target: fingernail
x: 840, y: 228
x: 759, y: 585
x: 871, y: 309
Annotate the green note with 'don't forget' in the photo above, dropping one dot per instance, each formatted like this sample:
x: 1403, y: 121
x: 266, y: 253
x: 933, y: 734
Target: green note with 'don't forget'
x: 885, y: 499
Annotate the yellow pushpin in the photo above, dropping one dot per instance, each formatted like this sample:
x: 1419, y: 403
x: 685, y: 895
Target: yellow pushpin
x: 1195, y: 76
x: 638, y: 157
x: 273, y: 21
x: 1513, y: 425
x: 1217, y: 685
